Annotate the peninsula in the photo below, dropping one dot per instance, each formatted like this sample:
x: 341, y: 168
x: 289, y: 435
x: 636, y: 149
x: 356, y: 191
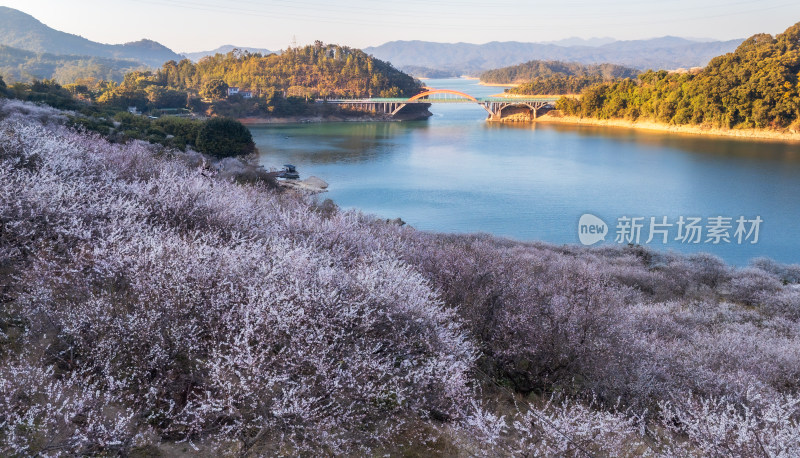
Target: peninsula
x: 752, y: 92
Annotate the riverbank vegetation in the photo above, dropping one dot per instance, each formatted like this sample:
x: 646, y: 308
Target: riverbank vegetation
x: 148, y: 307
x: 756, y: 86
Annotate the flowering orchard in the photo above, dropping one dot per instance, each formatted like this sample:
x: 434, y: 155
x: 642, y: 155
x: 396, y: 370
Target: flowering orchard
x: 151, y: 306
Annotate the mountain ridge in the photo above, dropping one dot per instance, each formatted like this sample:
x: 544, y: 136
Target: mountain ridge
x: 23, y: 31
x: 224, y: 49
x: 667, y: 52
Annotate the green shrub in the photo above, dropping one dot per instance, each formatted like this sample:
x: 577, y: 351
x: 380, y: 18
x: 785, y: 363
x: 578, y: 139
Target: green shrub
x: 224, y: 137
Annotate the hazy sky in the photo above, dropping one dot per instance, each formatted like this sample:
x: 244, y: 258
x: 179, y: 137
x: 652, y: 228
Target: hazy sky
x: 186, y: 25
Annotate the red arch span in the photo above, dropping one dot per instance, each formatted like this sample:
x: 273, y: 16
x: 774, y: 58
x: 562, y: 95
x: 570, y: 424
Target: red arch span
x: 441, y: 91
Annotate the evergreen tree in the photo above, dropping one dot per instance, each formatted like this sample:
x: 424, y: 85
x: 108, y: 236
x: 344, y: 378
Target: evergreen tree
x: 223, y: 137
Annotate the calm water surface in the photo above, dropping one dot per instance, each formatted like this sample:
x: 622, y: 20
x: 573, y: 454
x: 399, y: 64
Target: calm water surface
x: 457, y: 173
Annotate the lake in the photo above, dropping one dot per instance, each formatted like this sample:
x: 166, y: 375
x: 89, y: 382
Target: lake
x: 457, y: 173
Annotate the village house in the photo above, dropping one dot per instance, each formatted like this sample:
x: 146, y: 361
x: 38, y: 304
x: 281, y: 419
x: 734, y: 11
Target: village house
x: 234, y: 90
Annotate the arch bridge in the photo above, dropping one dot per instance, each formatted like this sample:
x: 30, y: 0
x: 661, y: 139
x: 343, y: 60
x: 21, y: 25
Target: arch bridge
x: 497, y: 107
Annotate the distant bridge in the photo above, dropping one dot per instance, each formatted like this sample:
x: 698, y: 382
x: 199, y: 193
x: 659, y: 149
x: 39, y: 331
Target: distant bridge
x: 495, y: 106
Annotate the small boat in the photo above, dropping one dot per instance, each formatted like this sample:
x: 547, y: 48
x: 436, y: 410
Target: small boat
x: 289, y: 172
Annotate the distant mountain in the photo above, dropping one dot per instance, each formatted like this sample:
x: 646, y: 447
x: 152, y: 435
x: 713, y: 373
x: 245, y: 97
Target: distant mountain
x: 473, y: 59
x: 23, y: 31
x: 21, y: 65
x: 225, y: 49
x: 575, y: 41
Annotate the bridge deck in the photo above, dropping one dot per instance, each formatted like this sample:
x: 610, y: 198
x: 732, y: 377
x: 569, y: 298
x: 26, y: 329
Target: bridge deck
x: 442, y: 100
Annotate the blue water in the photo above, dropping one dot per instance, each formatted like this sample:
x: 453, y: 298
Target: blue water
x: 457, y: 173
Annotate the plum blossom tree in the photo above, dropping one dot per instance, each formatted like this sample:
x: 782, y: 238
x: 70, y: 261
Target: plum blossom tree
x: 145, y: 301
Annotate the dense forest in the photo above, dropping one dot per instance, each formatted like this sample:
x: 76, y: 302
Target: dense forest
x: 549, y: 68
x: 754, y: 87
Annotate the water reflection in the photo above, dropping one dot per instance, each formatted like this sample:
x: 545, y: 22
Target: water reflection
x: 331, y: 142
x: 756, y: 149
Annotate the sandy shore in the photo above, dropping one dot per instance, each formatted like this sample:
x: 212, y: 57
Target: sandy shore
x: 555, y: 117
x: 498, y: 84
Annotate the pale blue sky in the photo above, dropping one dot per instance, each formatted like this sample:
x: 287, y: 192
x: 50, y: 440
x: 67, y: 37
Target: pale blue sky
x: 186, y: 25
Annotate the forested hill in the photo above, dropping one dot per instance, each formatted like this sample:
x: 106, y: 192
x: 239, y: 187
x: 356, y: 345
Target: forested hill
x: 548, y: 68
x: 755, y: 86
x: 21, y: 65
x: 272, y: 85
x: 553, y: 77
x: 312, y: 71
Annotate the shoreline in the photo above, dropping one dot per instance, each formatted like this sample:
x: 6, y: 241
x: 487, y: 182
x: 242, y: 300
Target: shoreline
x: 253, y: 121
x: 498, y: 84
x: 506, y: 95
x: 751, y: 134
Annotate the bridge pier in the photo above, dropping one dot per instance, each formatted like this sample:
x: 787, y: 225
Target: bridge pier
x: 520, y: 111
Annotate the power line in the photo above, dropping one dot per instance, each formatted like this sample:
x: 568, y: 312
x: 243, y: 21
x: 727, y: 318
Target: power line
x: 427, y: 16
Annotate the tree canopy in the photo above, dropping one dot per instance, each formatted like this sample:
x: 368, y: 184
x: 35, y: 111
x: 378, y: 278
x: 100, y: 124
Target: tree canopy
x: 223, y: 137
x: 558, y: 84
x: 214, y: 89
